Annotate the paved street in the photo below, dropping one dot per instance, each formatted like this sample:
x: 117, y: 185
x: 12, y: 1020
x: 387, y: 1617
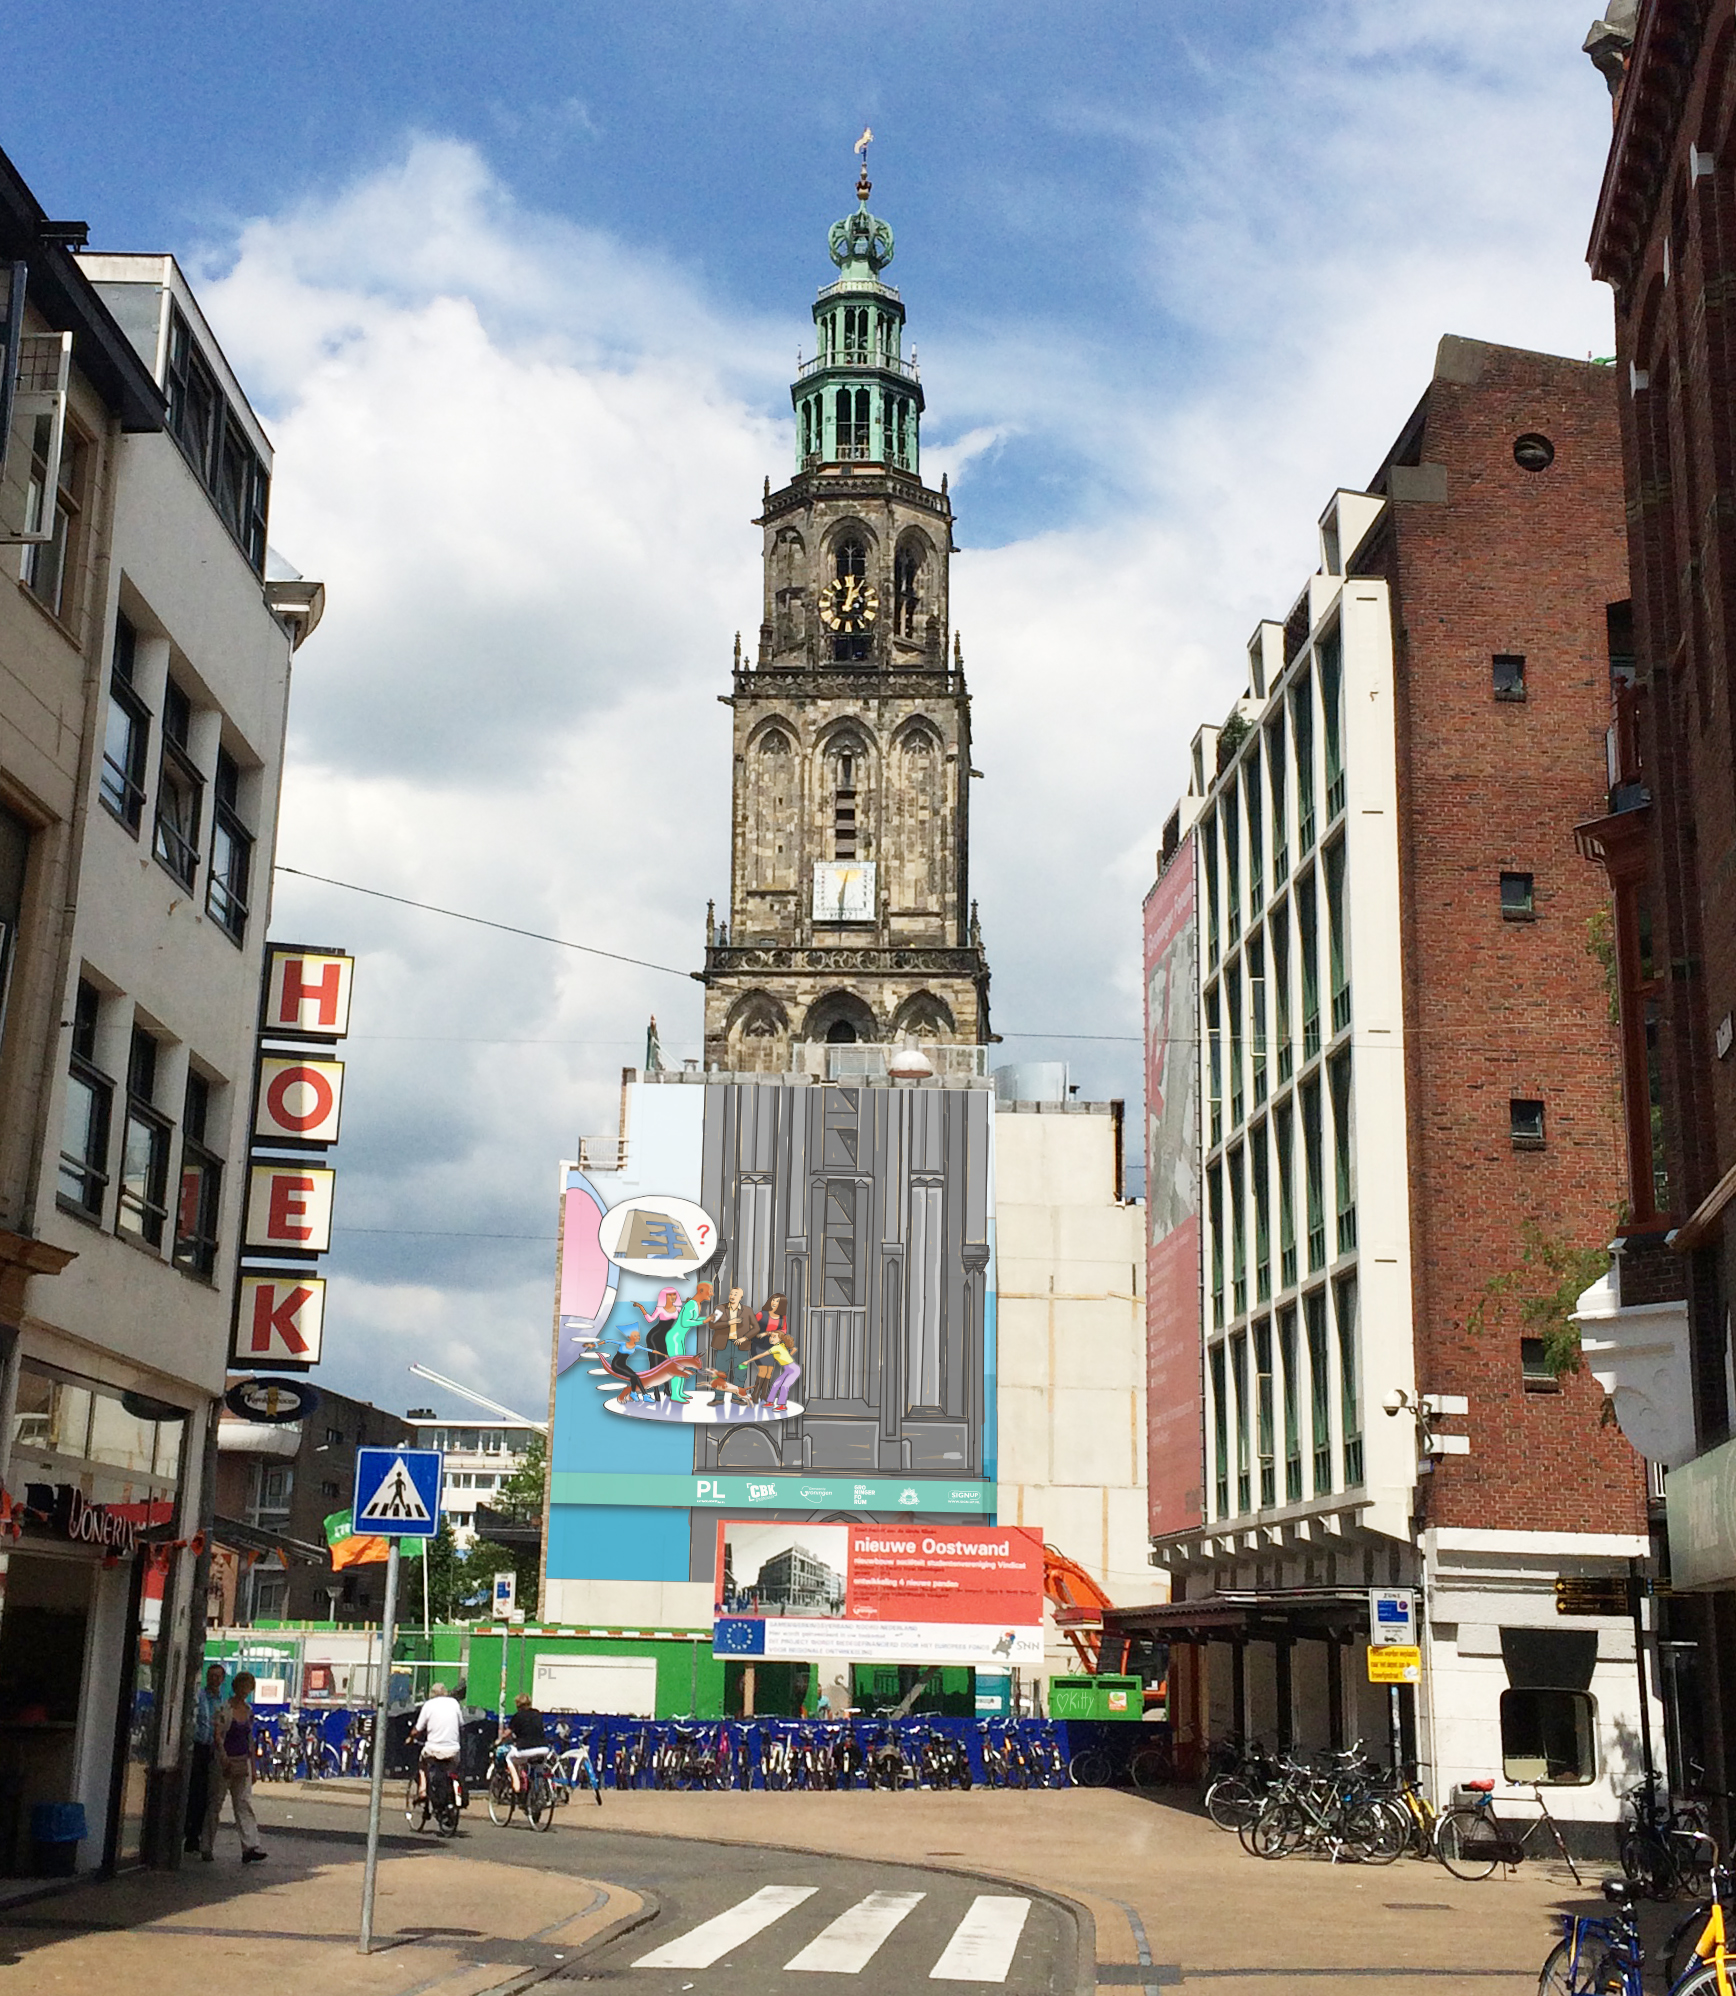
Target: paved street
x: 724, y: 1895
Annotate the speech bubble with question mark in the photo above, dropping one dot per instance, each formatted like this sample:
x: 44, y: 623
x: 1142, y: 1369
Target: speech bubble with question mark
x: 658, y: 1234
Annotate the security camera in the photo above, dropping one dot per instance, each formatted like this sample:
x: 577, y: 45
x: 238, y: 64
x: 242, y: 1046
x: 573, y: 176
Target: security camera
x: 1395, y: 1401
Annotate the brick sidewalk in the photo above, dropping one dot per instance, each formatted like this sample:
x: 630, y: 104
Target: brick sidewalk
x: 455, y: 1921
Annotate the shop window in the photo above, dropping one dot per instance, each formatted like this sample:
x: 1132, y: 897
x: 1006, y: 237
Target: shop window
x: 1508, y: 669
x: 1549, y: 1736
x: 127, y: 736
x: 1525, y: 1121
x: 84, y: 1144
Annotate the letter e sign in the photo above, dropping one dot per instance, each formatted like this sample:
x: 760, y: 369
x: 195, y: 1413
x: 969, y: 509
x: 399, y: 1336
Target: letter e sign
x: 307, y: 992
x: 289, y: 1206
x: 299, y: 1100
x: 281, y: 1319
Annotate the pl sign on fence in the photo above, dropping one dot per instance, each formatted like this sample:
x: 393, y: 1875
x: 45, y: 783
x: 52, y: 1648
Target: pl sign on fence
x: 896, y: 1593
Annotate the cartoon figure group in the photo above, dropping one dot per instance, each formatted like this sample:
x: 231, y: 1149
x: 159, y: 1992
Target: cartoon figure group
x: 750, y: 1358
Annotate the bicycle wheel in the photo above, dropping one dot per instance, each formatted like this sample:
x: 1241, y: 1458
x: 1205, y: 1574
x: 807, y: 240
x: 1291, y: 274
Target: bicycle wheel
x: 539, y: 1801
x: 1089, y: 1768
x: 1465, y: 1844
x: 1231, y: 1802
x: 1679, y: 1949
x: 1379, y: 1833
x: 1556, y: 1976
x: 1151, y: 1767
x: 1276, y: 1831
x: 415, y: 1806
x: 502, y: 1801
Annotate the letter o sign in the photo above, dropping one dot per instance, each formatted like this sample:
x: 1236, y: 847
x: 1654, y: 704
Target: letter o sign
x: 299, y: 1100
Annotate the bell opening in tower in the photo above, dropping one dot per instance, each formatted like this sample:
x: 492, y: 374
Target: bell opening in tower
x: 841, y: 1034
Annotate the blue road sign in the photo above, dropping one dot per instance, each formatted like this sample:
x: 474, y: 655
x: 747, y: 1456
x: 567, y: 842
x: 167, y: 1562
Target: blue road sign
x: 397, y: 1492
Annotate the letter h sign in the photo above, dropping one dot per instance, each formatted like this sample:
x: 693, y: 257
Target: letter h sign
x: 307, y: 993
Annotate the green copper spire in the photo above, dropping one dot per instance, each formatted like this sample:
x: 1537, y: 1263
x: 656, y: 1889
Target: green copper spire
x: 858, y: 400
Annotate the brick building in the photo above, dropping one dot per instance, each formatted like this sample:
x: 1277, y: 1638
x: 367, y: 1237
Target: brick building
x: 1666, y: 834
x: 1410, y: 1112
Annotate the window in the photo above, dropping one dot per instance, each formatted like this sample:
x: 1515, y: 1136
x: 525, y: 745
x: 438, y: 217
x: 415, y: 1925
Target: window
x: 1319, y: 1389
x: 1263, y: 1414
x: 1215, y: 1208
x: 49, y: 566
x: 1516, y: 897
x: 1331, y: 707
x: 89, y: 1099
x: 1313, y: 1173
x: 1215, y: 1056
x: 1509, y: 673
x: 276, y: 1486
x: 1239, y: 1372
x: 201, y: 1186
x: 144, y: 1201
x: 1280, y: 930
x: 1534, y: 1367
x: 127, y: 736
x: 1302, y: 728
x: 1349, y: 1382
x: 1233, y: 1005
x: 1307, y: 922
x: 1256, y: 835
x: 844, y: 826
x: 1280, y: 828
x: 215, y: 445
x: 14, y: 869
x: 1525, y: 1117
x: 180, y: 791
x: 1284, y: 1127
x: 1549, y: 1736
x: 1238, y: 1237
x: 853, y: 441
x: 1262, y: 1217
x: 1292, y: 1415
x: 1338, y: 1075
x: 1257, y: 1016
x: 1220, y: 1435
x: 231, y: 853
x: 334, y: 1438
x: 329, y: 1489
x: 906, y: 581
x: 1532, y: 452
x: 1209, y: 846
x: 1232, y: 867
x: 1337, y: 940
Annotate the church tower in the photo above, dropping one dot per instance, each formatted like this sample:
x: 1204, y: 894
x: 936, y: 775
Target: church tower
x: 850, y: 916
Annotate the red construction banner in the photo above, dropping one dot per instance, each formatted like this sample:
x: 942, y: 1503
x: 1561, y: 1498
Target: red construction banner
x: 946, y: 1573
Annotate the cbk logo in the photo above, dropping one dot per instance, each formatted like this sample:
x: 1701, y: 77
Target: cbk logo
x: 760, y: 1493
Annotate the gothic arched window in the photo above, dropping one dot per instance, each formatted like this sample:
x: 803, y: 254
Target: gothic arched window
x: 771, y: 816
x: 906, y: 589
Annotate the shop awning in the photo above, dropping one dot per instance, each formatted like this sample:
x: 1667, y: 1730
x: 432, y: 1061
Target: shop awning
x: 1306, y: 1613
x: 233, y: 1533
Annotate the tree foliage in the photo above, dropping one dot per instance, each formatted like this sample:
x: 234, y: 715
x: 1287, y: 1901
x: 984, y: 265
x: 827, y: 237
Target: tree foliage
x: 1551, y: 1276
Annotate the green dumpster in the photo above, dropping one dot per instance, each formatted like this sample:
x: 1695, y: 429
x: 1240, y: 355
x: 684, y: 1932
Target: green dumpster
x: 1096, y: 1698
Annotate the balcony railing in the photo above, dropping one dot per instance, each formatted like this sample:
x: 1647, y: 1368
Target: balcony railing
x: 1317, y: 1246
x: 860, y: 356
x: 1352, y: 1462
x: 1310, y: 1035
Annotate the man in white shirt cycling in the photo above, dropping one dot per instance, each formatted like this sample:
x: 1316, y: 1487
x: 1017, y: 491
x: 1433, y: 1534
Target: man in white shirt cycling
x: 439, y: 1726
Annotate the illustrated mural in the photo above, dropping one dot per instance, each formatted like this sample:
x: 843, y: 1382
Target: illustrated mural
x: 658, y: 1340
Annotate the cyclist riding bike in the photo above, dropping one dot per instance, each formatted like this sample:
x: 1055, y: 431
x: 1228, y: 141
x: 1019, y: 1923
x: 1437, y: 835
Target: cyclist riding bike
x: 439, y: 1728
x: 530, y: 1740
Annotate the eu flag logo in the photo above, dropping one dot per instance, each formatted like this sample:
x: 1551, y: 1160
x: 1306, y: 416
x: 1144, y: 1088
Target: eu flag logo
x: 739, y: 1635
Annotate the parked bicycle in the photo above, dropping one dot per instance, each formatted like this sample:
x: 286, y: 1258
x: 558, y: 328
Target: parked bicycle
x: 1602, y: 1955
x: 1471, y: 1839
x: 1665, y: 1850
x: 1332, y: 1807
x: 573, y: 1768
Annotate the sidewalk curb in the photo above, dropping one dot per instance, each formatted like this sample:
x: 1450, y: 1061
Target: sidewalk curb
x: 651, y: 1908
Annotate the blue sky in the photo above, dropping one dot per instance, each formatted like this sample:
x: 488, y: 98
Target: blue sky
x: 518, y: 291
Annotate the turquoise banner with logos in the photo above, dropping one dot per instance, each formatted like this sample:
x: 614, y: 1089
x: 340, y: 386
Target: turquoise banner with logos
x: 771, y: 1493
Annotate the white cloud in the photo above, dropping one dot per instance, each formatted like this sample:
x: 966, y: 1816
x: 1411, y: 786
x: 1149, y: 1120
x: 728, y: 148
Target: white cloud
x: 524, y: 458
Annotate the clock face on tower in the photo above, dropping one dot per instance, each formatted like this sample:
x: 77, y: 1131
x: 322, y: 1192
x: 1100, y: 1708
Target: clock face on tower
x: 849, y: 604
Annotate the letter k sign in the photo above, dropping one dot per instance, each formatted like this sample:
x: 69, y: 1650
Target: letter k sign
x: 281, y: 1319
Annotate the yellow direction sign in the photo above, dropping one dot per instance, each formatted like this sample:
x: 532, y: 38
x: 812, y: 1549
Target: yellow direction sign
x: 1395, y: 1663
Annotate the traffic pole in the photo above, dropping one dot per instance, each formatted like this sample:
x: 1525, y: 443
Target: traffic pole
x: 377, y: 1788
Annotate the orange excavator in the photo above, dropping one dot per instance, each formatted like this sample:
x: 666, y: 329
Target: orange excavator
x: 1079, y: 1605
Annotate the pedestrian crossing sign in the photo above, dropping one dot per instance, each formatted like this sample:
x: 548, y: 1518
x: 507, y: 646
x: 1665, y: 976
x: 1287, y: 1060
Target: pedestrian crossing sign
x: 398, y: 1492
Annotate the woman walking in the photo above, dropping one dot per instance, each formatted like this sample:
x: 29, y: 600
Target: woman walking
x: 232, y: 1772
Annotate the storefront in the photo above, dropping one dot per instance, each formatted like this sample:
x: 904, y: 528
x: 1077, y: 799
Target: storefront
x: 96, y: 1569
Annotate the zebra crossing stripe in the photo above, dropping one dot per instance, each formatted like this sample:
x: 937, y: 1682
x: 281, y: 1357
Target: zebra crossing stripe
x: 984, y: 1942
x: 712, y: 1939
x: 851, y: 1941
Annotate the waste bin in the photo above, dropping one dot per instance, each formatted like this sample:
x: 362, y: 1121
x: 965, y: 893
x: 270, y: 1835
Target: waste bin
x: 56, y: 1830
x: 1096, y: 1698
